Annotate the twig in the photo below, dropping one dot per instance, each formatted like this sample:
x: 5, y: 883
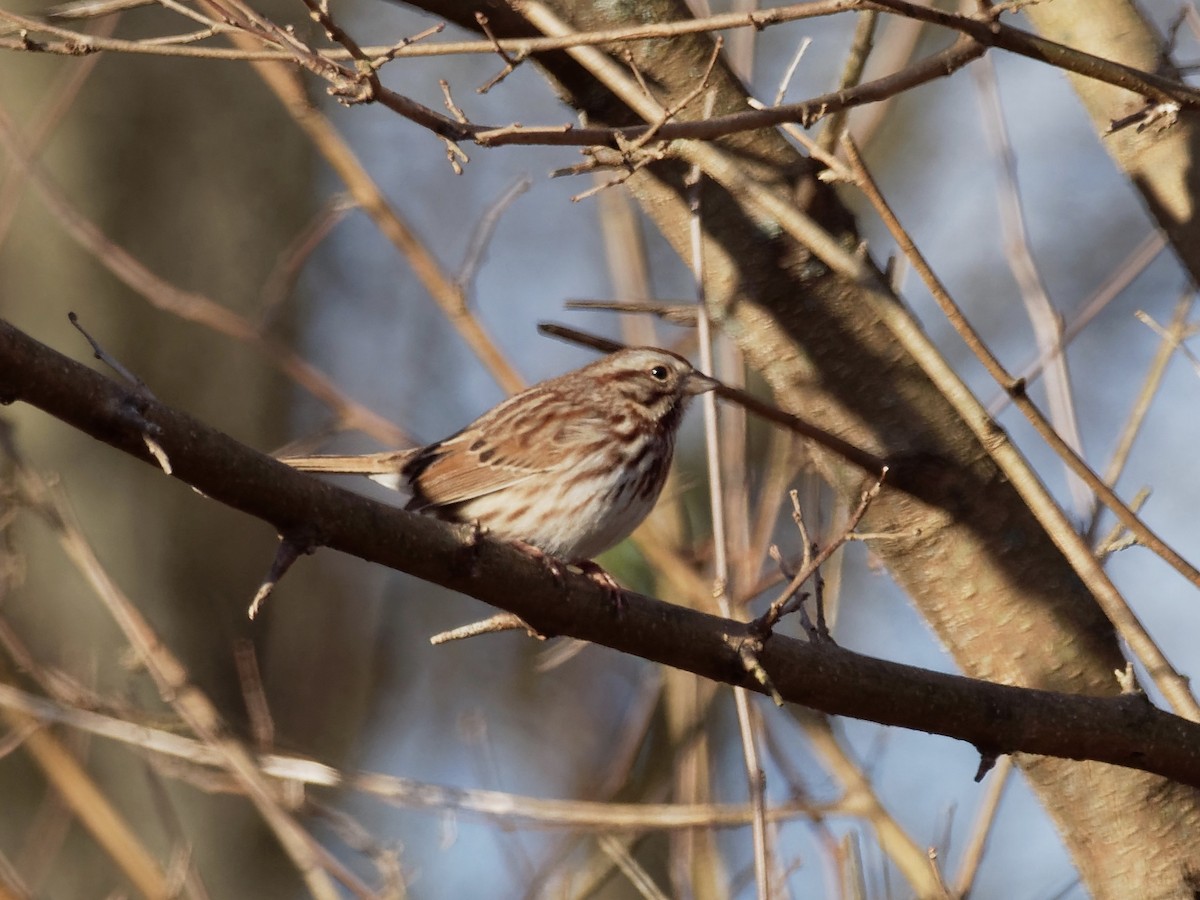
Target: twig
x: 984, y: 825
x: 105, y: 357
x: 525, y: 46
x: 380, y: 59
x: 411, y: 793
x: 859, y: 794
x: 620, y: 762
x: 1118, y: 538
x: 638, y: 876
x: 1171, y: 341
x: 754, y: 773
x: 630, y: 164
x: 1121, y: 277
x: 786, y: 573
x: 935, y: 870
x: 291, y: 548
x: 94, y: 811
x: 140, y: 390
x: 1143, y: 317
x: 765, y: 623
x: 822, y: 625
x: 1047, y: 323
x: 50, y: 113
x: 668, y: 113
x: 485, y: 228
x: 359, y: 839
x: 491, y: 625
x: 790, y: 72
x: 992, y: 33
x: 387, y: 219
x: 675, y: 313
x: 510, y: 63
x: 262, y: 725
x: 852, y: 72
x: 281, y: 280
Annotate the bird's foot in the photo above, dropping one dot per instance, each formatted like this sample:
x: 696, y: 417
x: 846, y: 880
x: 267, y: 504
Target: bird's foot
x: 553, y: 564
x: 596, y: 573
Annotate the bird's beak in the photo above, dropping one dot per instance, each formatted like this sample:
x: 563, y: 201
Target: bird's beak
x: 698, y: 383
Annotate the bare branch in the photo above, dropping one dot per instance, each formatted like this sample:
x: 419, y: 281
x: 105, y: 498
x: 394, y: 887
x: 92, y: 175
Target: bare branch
x: 1121, y: 730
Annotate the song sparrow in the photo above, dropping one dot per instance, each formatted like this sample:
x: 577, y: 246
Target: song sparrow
x: 568, y: 467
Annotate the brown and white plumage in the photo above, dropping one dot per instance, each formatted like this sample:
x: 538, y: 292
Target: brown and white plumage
x: 569, y: 466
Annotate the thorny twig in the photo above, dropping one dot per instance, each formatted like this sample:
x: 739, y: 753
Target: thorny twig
x: 291, y: 548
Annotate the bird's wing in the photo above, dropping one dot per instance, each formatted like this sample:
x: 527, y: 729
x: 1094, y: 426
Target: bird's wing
x: 474, y: 463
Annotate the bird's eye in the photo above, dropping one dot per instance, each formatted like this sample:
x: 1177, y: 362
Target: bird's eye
x: 659, y: 372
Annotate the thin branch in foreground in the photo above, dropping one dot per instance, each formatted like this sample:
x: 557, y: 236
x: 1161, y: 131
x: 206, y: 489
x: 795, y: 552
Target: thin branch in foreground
x: 254, y: 696
x: 92, y: 809
x: 631, y: 868
x: 786, y: 80
x: 1143, y: 317
x: 386, y: 859
x: 859, y: 793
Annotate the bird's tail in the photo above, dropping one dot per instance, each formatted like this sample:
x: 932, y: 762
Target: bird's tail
x: 381, y: 467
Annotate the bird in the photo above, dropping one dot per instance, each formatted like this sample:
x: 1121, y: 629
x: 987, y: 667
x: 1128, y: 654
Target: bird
x: 565, y: 469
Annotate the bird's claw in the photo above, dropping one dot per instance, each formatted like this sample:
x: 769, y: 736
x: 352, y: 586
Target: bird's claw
x: 597, y: 574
